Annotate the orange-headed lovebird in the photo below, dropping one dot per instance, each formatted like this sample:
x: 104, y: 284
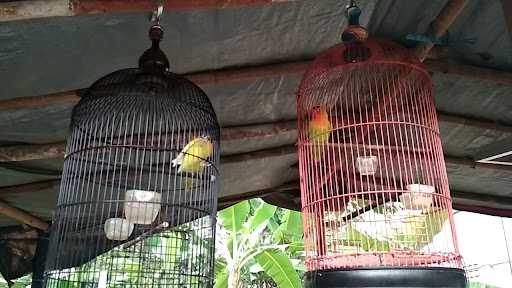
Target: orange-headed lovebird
x: 319, y: 130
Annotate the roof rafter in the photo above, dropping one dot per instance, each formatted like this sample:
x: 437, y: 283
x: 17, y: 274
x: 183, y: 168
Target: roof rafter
x: 235, y: 75
x: 31, y: 9
x: 26, y: 152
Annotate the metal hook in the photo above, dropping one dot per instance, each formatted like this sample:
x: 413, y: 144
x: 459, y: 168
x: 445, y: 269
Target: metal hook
x: 351, y: 3
x: 157, y: 14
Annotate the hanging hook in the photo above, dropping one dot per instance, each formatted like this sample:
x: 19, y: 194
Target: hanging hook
x: 157, y: 14
x: 351, y: 3
x: 352, y: 11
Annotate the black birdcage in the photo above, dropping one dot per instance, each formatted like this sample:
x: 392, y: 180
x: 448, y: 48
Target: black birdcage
x: 138, y: 195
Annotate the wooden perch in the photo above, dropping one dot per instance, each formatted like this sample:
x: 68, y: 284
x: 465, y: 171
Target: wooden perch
x: 440, y: 25
x: 22, y: 216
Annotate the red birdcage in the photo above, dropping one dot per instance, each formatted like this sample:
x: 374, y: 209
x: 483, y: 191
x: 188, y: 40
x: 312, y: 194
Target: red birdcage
x: 375, y: 199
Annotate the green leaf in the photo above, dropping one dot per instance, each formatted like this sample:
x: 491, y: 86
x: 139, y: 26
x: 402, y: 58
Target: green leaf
x: 221, y: 279
x: 233, y: 217
x: 173, y: 244
x: 153, y: 244
x: 418, y: 231
x: 366, y: 242
x: 261, y: 216
x: 59, y: 283
x: 220, y: 265
x: 272, y: 224
x: 277, y: 265
x: 295, y: 247
x: 278, y: 235
x: 229, y: 244
x: 291, y: 228
x: 293, y: 223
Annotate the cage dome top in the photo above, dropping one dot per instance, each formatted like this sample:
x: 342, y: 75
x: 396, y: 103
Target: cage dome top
x: 149, y: 89
x: 369, y: 52
x: 155, y: 92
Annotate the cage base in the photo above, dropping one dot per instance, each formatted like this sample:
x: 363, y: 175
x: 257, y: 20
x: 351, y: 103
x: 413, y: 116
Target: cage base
x: 387, y: 277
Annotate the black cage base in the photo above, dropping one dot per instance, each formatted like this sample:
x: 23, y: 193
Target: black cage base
x: 387, y: 277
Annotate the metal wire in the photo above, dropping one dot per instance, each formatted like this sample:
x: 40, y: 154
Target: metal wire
x: 374, y: 183
x: 121, y: 173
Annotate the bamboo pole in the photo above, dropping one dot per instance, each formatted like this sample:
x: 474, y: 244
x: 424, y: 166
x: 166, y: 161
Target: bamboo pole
x: 440, y: 25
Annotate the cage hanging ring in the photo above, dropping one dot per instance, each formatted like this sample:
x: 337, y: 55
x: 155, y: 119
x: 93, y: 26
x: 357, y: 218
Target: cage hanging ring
x: 157, y: 14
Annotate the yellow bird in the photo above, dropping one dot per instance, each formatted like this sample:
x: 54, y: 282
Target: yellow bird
x: 193, y: 157
x: 319, y: 130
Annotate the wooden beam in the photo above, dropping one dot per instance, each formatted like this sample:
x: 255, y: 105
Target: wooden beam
x: 507, y: 15
x: 260, y: 130
x: 261, y: 154
x: 235, y: 75
x: 484, y: 198
x: 470, y: 72
x: 32, y: 152
x: 32, y: 9
x: 440, y: 25
x: 80, y: 7
x: 31, y: 102
x: 19, y: 10
x: 227, y: 201
x: 288, y: 194
x: 203, y: 79
x: 57, y: 150
x: 30, y: 187
x: 483, y: 210
x: 285, y: 200
x: 475, y: 164
x: 472, y: 122
x: 22, y: 216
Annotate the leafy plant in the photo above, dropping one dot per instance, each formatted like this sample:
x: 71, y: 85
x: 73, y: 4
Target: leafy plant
x: 255, y: 240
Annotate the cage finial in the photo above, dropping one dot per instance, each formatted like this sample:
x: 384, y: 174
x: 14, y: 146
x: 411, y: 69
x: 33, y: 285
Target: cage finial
x: 154, y: 57
x: 354, y: 33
